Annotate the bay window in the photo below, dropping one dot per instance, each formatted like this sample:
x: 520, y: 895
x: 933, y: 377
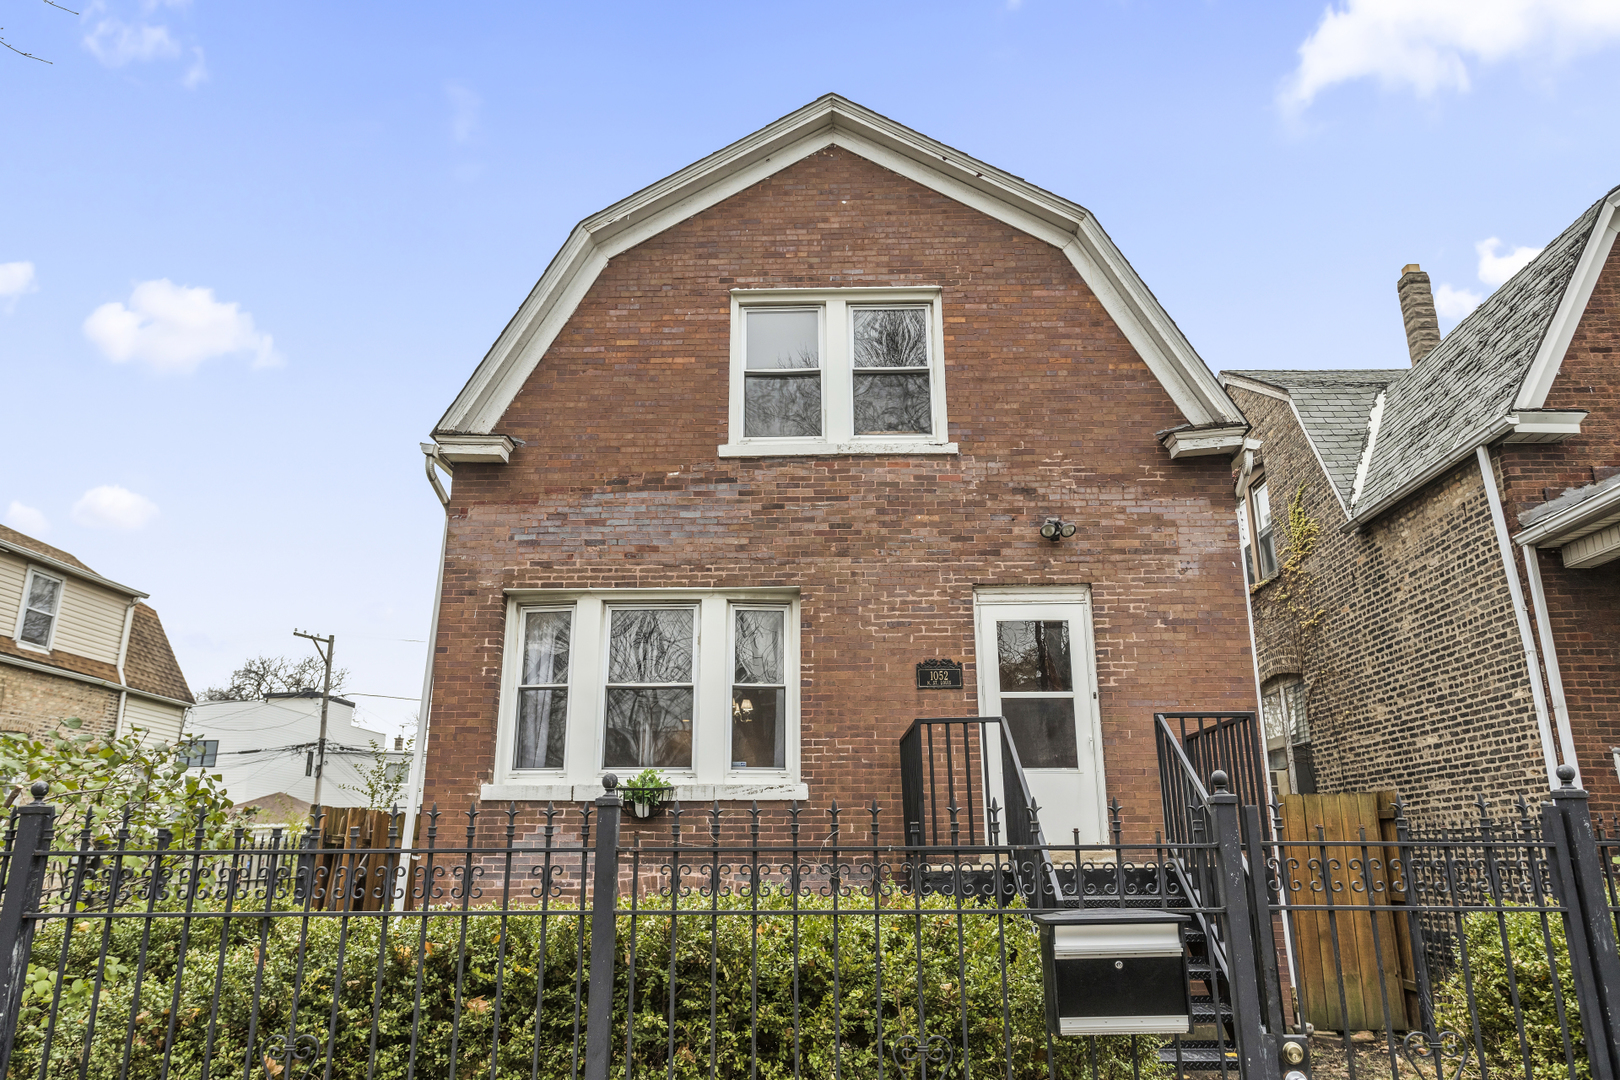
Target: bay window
x: 701, y: 685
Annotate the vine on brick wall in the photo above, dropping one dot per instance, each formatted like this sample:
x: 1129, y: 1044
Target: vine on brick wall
x: 1292, y: 597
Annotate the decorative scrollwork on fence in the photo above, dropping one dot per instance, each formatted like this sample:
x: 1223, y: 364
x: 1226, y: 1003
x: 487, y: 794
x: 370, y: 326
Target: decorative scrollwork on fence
x: 1437, y: 1055
x: 291, y: 1057
x: 934, y: 1051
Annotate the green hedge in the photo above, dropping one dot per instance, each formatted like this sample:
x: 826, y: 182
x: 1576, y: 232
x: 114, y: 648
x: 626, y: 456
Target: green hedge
x: 1487, y: 972
x: 951, y: 981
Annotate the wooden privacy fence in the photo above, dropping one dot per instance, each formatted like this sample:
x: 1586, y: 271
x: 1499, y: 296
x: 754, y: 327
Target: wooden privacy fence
x: 354, y: 882
x: 1350, y: 927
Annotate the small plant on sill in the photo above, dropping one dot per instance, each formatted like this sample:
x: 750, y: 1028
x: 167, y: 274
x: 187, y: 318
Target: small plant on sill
x: 646, y: 792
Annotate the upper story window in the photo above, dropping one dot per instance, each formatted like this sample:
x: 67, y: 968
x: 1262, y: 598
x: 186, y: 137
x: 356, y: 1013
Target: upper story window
x: 42, y: 601
x: 840, y: 371
x: 1256, y: 534
x: 702, y: 686
x: 199, y: 753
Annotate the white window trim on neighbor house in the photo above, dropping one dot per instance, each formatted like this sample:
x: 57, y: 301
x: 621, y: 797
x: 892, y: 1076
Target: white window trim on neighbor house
x: 711, y: 775
x: 837, y: 374
x: 23, y: 609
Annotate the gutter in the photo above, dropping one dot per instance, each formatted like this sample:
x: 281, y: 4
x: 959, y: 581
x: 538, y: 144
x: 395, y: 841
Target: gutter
x: 432, y: 462
x: 47, y: 669
x: 1483, y: 437
x: 1551, y: 529
x: 1548, y: 752
x: 123, y: 654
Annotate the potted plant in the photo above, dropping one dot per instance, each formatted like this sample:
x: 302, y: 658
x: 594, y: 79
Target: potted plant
x: 646, y: 791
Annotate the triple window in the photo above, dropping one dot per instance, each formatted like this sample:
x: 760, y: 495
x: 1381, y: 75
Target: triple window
x: 42, y: 602
x: 698, y: 688
x: 836, y: 371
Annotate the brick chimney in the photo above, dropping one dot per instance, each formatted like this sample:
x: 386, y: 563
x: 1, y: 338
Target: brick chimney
x: 1417, y: 311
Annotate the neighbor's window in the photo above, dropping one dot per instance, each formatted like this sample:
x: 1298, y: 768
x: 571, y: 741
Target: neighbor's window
x: 1288, y: 735
x: 836, y: 371
x: 199, y: 753
x: 698, y: 687
x: 1265, y: 545
x: 36, y: 623
x: 759, y: 689
x: 542, y: 705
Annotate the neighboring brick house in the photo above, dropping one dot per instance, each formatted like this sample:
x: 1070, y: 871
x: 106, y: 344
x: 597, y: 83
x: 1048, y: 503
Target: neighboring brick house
x: 780, y: 427
x: 1467, y: 639
x: 74, y: 644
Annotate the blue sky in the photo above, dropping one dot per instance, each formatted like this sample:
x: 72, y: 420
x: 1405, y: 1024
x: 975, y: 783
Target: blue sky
x: 249, y: 253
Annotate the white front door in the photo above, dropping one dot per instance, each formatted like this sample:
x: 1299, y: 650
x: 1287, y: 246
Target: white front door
x: 1037, y: 668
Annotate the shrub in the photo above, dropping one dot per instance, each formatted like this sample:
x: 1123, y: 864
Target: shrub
x: 518, y: 987
x: 1493, y: 1002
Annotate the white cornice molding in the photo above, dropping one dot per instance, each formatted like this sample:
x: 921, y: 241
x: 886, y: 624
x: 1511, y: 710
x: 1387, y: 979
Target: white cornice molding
x: 1573, y: 522
x: 1555, y: 342
x: 68, y: 568
x: 1204, y: 442
x: 833, y: 121
x: 491, y: 449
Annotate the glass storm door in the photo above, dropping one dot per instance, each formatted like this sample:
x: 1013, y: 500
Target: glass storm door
x: 1035, y: 670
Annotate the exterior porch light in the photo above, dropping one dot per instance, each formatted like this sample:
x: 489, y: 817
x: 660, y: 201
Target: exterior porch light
x: 1055, y: 529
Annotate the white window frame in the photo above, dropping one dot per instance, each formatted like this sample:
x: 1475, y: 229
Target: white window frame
x: 838, y: 374
x: 711, y: 775
x: 22, y: 611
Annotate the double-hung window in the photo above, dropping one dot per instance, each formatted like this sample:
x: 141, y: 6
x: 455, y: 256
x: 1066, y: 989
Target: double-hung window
x: 1256, y: 534
x: 42, y: 603
x: 701, y: 685
x: 198, y: 753
x: 837, y: 371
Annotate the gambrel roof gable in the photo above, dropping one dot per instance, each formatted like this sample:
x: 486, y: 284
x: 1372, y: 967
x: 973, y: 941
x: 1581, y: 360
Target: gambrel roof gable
x: 474, y: 417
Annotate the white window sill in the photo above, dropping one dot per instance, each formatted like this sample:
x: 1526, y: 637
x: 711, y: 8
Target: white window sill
x: 31, y: 647
x: 822, y: 447
x: 763, y: 790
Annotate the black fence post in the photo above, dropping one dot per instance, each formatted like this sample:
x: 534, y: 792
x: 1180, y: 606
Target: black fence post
x: 1241, y: 950
x: 1588, y: 926
x: 604, y: 931
x: 23, y: 887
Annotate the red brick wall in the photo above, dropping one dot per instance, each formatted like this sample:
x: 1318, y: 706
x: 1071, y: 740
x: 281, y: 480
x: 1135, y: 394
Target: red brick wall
x: 1584, y: 604
x: 617, y: 483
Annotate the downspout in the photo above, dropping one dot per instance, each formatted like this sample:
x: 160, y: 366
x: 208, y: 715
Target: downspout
x: 123, y: 654
x: 1549, y: 655
x: 413, y: 803
x: 1548, y: 752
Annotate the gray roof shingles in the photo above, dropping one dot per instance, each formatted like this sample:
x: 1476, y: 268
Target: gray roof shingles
x: 1333, y: 407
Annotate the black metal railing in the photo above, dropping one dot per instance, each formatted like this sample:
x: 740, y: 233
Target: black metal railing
x: 948, y: 793
x: 1202, y: 743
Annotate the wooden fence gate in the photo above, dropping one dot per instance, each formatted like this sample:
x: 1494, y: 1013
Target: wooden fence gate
x: 1363, y: 932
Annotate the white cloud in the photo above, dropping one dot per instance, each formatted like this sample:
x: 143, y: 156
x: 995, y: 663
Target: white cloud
x: 1495, y: 269
x: 27, y: 519
x: 174, y: 328
x: 112, y: 507
x: 1450, y: 303
x: 464, y: 106
x: 197, y: 73
x: 16, y: 278
x: 116, y: 43
x: 1427, y: 45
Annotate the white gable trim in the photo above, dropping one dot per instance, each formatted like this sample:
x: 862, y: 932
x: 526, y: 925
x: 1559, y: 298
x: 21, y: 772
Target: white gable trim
x: 1550, y: 356
x: 833, y: 121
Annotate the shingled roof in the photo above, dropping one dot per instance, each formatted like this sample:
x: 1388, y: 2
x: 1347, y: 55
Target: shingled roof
x: 151, y: 665
x: 1332, y: 407
x: 1472, y: 377
x: 1457, y: 397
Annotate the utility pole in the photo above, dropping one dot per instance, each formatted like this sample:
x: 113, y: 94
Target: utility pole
x: 326, y: 697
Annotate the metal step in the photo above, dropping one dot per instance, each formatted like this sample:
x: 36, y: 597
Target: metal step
x: 1203, y: 1009
x: 1201, y: 1056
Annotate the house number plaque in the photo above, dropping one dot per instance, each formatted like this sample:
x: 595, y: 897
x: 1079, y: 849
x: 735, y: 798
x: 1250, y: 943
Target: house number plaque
x: 939, y: 675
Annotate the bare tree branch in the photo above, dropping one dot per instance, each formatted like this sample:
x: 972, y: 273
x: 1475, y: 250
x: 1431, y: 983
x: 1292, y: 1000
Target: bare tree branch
x: 19, y: 52
x: 59, y: 7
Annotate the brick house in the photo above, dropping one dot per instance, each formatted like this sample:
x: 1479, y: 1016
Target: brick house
x: 75, y: 644
x: 1466, y: 512
x: 775, y: 430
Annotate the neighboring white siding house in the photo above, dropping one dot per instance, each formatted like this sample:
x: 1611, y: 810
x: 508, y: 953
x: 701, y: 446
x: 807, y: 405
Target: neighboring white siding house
x: 266, y: 749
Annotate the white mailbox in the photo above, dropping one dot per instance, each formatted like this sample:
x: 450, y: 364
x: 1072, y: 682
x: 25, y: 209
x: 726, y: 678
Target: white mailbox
x: 1112, y: 971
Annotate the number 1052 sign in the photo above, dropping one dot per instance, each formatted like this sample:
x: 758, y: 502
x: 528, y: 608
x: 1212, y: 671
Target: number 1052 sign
x: 939, y: 675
